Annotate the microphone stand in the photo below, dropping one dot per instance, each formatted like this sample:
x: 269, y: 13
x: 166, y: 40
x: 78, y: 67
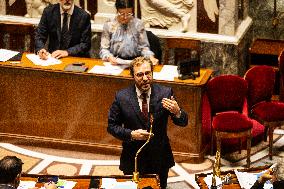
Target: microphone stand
x: 136, y: 173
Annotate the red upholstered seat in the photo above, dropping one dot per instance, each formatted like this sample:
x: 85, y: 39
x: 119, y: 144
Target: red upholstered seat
x: 266, y: 111
x: 261, y: 81
x: 227, y: 96
x: 231, y: 122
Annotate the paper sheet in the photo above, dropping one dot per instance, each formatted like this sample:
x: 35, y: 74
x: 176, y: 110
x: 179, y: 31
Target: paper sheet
x: 37, y: 61
x: 168, y: 73
x: 108, y: 69
x: 26, y: 184
x: 7, y: 54
x: 208, y: 181
x: 111, y: 183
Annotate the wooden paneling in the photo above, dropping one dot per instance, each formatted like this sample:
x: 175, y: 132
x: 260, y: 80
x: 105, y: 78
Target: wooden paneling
x: 56, y: 107
x: 17, y: 36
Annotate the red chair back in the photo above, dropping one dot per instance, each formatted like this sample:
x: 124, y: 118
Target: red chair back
x: 227, y: 93
x: 261, y: 80
x: 281, y: 70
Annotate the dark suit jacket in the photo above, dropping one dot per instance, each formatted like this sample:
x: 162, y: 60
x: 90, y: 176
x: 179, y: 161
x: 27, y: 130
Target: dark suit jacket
x: 125, y: 116
x: 50, y: 27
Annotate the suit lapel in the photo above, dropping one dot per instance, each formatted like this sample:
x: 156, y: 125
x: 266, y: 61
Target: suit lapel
x: 135, y: 105
x: 58, y: 23
x: 74, y: 17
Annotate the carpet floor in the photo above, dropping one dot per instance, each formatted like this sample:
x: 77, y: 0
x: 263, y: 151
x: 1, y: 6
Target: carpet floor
x: 39, y: 160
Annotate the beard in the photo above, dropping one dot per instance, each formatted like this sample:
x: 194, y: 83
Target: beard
x: 66, y: 6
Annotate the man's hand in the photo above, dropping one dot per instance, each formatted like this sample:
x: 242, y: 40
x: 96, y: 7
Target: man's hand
x: 140, y: 134
x: 43, y: 54
x: 265, y: 176
x: 171, y: 105
x: 59, y: 54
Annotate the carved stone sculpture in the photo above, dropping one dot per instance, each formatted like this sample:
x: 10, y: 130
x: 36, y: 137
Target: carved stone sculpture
x: 2, y: 7
x: 165, y: 13
x: 35, y: 8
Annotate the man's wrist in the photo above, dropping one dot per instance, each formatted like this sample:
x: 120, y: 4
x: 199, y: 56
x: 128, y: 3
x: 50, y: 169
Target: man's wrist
x: 178, y: 114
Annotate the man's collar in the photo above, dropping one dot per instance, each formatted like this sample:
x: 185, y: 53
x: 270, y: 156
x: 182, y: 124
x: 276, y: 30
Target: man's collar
x: 70, y: 11
x: 139, y: 93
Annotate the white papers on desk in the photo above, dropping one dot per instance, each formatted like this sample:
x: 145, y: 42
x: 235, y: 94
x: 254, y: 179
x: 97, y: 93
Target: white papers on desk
x: 168, y: 73
x: 111, y: 183
x: 208, y: 181
x: 7, y: 54
x: 108, y: 69
x: 26, y: 184
x: 37, y: 61
x: 247, y: 180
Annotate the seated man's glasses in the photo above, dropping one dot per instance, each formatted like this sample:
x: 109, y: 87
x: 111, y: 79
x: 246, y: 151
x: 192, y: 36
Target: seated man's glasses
x: 141, y: 74
x: 125, y: 15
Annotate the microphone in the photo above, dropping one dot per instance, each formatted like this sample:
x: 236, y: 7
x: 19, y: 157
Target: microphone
x: 136, y: 173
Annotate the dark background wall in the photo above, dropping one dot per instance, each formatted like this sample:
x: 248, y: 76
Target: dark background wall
x: 263, y: 14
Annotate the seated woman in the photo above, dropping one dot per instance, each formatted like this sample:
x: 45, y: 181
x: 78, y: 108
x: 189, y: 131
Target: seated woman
x: 125, y: 37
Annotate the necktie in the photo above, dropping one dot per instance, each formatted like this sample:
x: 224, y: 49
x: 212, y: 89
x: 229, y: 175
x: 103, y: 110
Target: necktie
x: 144, y: 106
x: 64, y: 32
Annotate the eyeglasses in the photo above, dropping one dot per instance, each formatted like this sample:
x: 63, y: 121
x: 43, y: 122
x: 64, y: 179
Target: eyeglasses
x: 125, y: 15
x: 141, y: 74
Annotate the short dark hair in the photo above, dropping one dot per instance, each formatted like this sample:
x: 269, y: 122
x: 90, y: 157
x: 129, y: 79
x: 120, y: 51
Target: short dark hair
x: 137, y: 62
x: 10, y: 168
x: 122, y: 4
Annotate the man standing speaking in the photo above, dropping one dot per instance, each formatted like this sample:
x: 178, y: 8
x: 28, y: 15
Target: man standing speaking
x: 128, y: 121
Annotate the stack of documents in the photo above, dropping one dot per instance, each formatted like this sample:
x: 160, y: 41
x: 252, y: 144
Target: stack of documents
x: 7, y: 54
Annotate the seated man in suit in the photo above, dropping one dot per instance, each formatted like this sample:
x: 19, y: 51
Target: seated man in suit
x: 10, y: 173
x: 68, y: 29
x: 129, y: 121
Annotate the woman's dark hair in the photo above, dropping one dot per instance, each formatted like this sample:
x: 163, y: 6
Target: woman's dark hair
x: 122, y: 4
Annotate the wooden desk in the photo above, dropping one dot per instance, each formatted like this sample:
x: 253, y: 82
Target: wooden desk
x: 234, y: 180
x: 265, y: 52
x: 69, y: 110
x: 83, y: 182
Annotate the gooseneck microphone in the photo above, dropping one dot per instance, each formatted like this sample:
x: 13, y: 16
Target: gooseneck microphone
x: 136, y: 173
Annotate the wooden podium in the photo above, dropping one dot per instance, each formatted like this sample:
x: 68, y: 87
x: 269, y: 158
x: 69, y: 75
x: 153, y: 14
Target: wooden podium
x: 83, y: 182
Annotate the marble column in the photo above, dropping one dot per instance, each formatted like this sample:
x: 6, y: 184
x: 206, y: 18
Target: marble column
x: 228, y: 17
